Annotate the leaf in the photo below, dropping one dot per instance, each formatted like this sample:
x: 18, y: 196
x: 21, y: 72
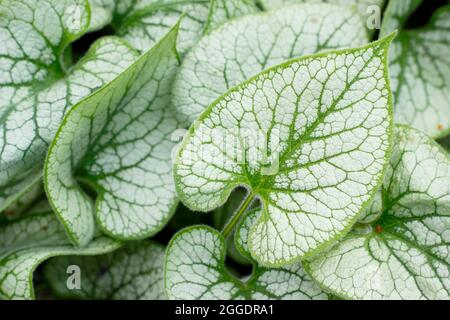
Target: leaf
x: 396, y: 14
x: 118, y: 142
x: 310, y: 138
x: 373, y: 211
x: 420, y: 70
x: 26, y: 243
x: 131, y: 273
x: 243, y: 231
x: 101, y: 14
x: 143, y: 23
x: 147, y: 21
x: 22, y: 206
x: 36, y: 89
x: 221, y: 11
x: 195, y: 269
x: 405, y: 254
x: 361, y: 5
x: 245, y: 47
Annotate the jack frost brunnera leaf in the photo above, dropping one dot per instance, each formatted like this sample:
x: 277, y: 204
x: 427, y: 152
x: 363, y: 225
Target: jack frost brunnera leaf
x: 221, y: 11
x: 27, y: 242
x: 420, y: 69
x: 309, y: 138
x: 118, y: 141
x: 35, y: 87
x: 195, y: 269
x: 361, y: 5
x: 101, y: 14
x: 404, y: 253
x: 246, y: 46
x: 135, y: 272
x: 143, y: 23
x: 28, y: 200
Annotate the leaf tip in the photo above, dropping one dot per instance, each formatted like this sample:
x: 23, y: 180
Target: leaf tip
x: 386, y: 40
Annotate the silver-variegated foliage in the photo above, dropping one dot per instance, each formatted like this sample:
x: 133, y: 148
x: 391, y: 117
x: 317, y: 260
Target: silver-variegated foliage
x: 195, y: 269
x: 403, y: 252
x: 118, y: 141
x: 135, y: 272
x: 420, y: 69
x: 246, y: 46
x: 222, y: 11
x: 37, y: 87
x: 396, y: 14
x: 310, y: 138
x: 27, y: 242
x: 143, y: 23
x: 364, y: 7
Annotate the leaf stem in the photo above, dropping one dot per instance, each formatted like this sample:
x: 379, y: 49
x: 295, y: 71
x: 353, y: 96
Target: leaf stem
x: 237, y: 216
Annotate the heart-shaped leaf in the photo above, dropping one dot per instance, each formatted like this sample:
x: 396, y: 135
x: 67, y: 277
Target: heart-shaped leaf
x: 26, y: 243
x: 36, y: 89
x: 420, y: 69
x: 135, y: 272
x: 195, y: 269
x: 310, y: 138
x: 246, y: 46
x: 404, y: 252
x: 118, y: 141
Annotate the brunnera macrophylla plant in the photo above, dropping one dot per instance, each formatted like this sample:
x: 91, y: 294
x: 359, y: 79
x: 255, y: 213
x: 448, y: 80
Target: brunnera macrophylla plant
x: 315, y: 135
x: 309, y: 156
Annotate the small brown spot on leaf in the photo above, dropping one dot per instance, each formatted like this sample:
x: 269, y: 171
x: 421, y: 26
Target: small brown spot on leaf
x: 378, y: 228
x: 440, y: 127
